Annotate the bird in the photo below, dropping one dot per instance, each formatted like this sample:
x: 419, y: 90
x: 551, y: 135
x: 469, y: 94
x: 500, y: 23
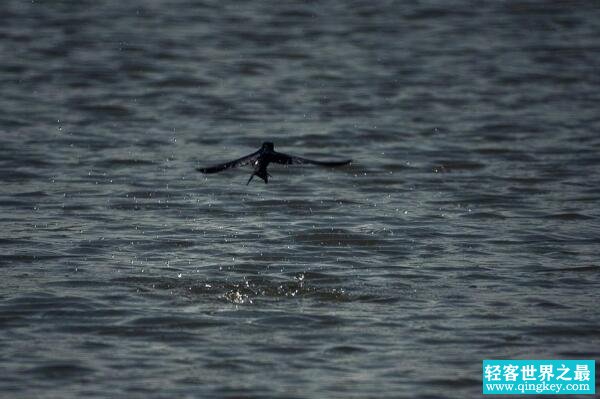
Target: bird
x: 263, y: 157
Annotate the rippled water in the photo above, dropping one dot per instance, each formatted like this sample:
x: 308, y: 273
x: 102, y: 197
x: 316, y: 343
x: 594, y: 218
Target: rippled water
x: 466, y: 228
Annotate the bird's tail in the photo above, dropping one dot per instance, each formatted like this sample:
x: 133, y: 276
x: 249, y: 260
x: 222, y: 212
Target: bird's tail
x: 265, y: 176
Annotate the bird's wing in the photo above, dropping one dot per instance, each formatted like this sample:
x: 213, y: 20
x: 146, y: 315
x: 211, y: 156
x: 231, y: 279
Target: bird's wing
x: 285, y: 159
x: 231, y: 164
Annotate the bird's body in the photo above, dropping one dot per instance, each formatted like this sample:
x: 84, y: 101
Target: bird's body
x: 263, y: 157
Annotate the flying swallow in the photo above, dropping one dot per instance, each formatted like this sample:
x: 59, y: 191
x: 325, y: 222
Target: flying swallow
x: 263, y: 157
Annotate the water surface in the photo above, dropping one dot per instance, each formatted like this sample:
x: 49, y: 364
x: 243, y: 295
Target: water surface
x: 466, y: 228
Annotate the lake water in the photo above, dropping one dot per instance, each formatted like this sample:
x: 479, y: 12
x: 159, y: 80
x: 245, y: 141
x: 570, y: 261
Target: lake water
x: 465, y: 229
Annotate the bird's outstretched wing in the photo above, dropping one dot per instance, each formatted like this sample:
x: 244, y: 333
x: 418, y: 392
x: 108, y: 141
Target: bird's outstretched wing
x: 231, y: 164
x: 285, y: 159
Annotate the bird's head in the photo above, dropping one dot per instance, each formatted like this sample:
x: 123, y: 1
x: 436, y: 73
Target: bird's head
x: 268, y: 146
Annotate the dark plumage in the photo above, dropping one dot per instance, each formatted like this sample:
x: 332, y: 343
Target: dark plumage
x: 261, y: 159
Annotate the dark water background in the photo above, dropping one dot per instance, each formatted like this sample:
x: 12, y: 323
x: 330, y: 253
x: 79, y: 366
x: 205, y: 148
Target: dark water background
x: 467, y: 227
